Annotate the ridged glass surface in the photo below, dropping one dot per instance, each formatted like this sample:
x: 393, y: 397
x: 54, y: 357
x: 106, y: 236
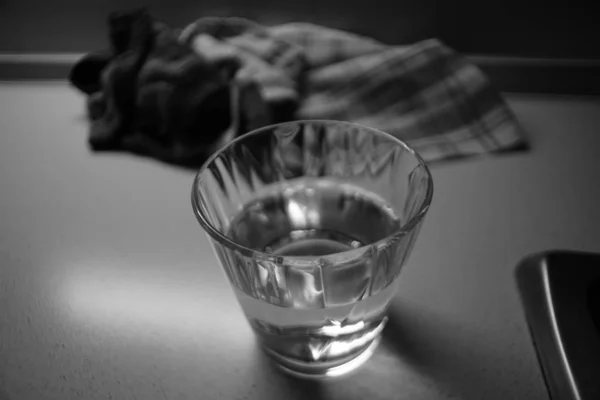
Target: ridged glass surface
x: 312, y: 222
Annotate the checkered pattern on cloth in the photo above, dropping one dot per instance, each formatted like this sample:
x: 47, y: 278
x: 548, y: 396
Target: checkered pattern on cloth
x: 425, y: 94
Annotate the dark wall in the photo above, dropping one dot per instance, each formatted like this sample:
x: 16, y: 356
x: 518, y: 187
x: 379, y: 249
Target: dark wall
x: 562, y: 29
x: 509, y: 27
x: 78, y: 25
x: 549, y: 31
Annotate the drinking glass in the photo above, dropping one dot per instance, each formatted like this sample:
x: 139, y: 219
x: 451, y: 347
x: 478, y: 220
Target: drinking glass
x: 312, y: 222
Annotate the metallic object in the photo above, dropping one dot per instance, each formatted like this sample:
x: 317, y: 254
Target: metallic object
x: 560, y: 291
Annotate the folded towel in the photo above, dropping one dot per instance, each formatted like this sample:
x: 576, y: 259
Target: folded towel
x: 177, y: 95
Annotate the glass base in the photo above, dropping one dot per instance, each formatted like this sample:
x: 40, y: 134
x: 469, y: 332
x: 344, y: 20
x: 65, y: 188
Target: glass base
x: 323, y: 370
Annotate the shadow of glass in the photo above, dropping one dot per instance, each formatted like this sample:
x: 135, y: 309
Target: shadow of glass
x: 3, y: 394
x: 453, y: 356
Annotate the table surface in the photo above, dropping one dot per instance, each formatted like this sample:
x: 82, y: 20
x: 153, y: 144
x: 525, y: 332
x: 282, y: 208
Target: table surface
x: 109, y: 290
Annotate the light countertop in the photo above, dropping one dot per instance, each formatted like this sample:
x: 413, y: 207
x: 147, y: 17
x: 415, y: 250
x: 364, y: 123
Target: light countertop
x: 109, y: 290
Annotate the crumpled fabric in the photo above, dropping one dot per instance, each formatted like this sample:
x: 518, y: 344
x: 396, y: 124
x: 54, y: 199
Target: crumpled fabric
x: 179, y: 94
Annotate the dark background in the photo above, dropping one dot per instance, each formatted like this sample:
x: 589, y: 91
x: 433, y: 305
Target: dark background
x: 509, y: 27
x: 523, y: 46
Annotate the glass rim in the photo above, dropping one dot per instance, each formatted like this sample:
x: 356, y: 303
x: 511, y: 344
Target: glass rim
x: 209, y: 228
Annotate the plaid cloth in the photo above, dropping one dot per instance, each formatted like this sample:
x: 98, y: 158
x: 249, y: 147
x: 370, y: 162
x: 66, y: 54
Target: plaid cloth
x: 425, y: 94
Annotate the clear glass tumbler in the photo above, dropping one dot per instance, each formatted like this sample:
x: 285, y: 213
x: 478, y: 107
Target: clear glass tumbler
x: 312, y: 222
